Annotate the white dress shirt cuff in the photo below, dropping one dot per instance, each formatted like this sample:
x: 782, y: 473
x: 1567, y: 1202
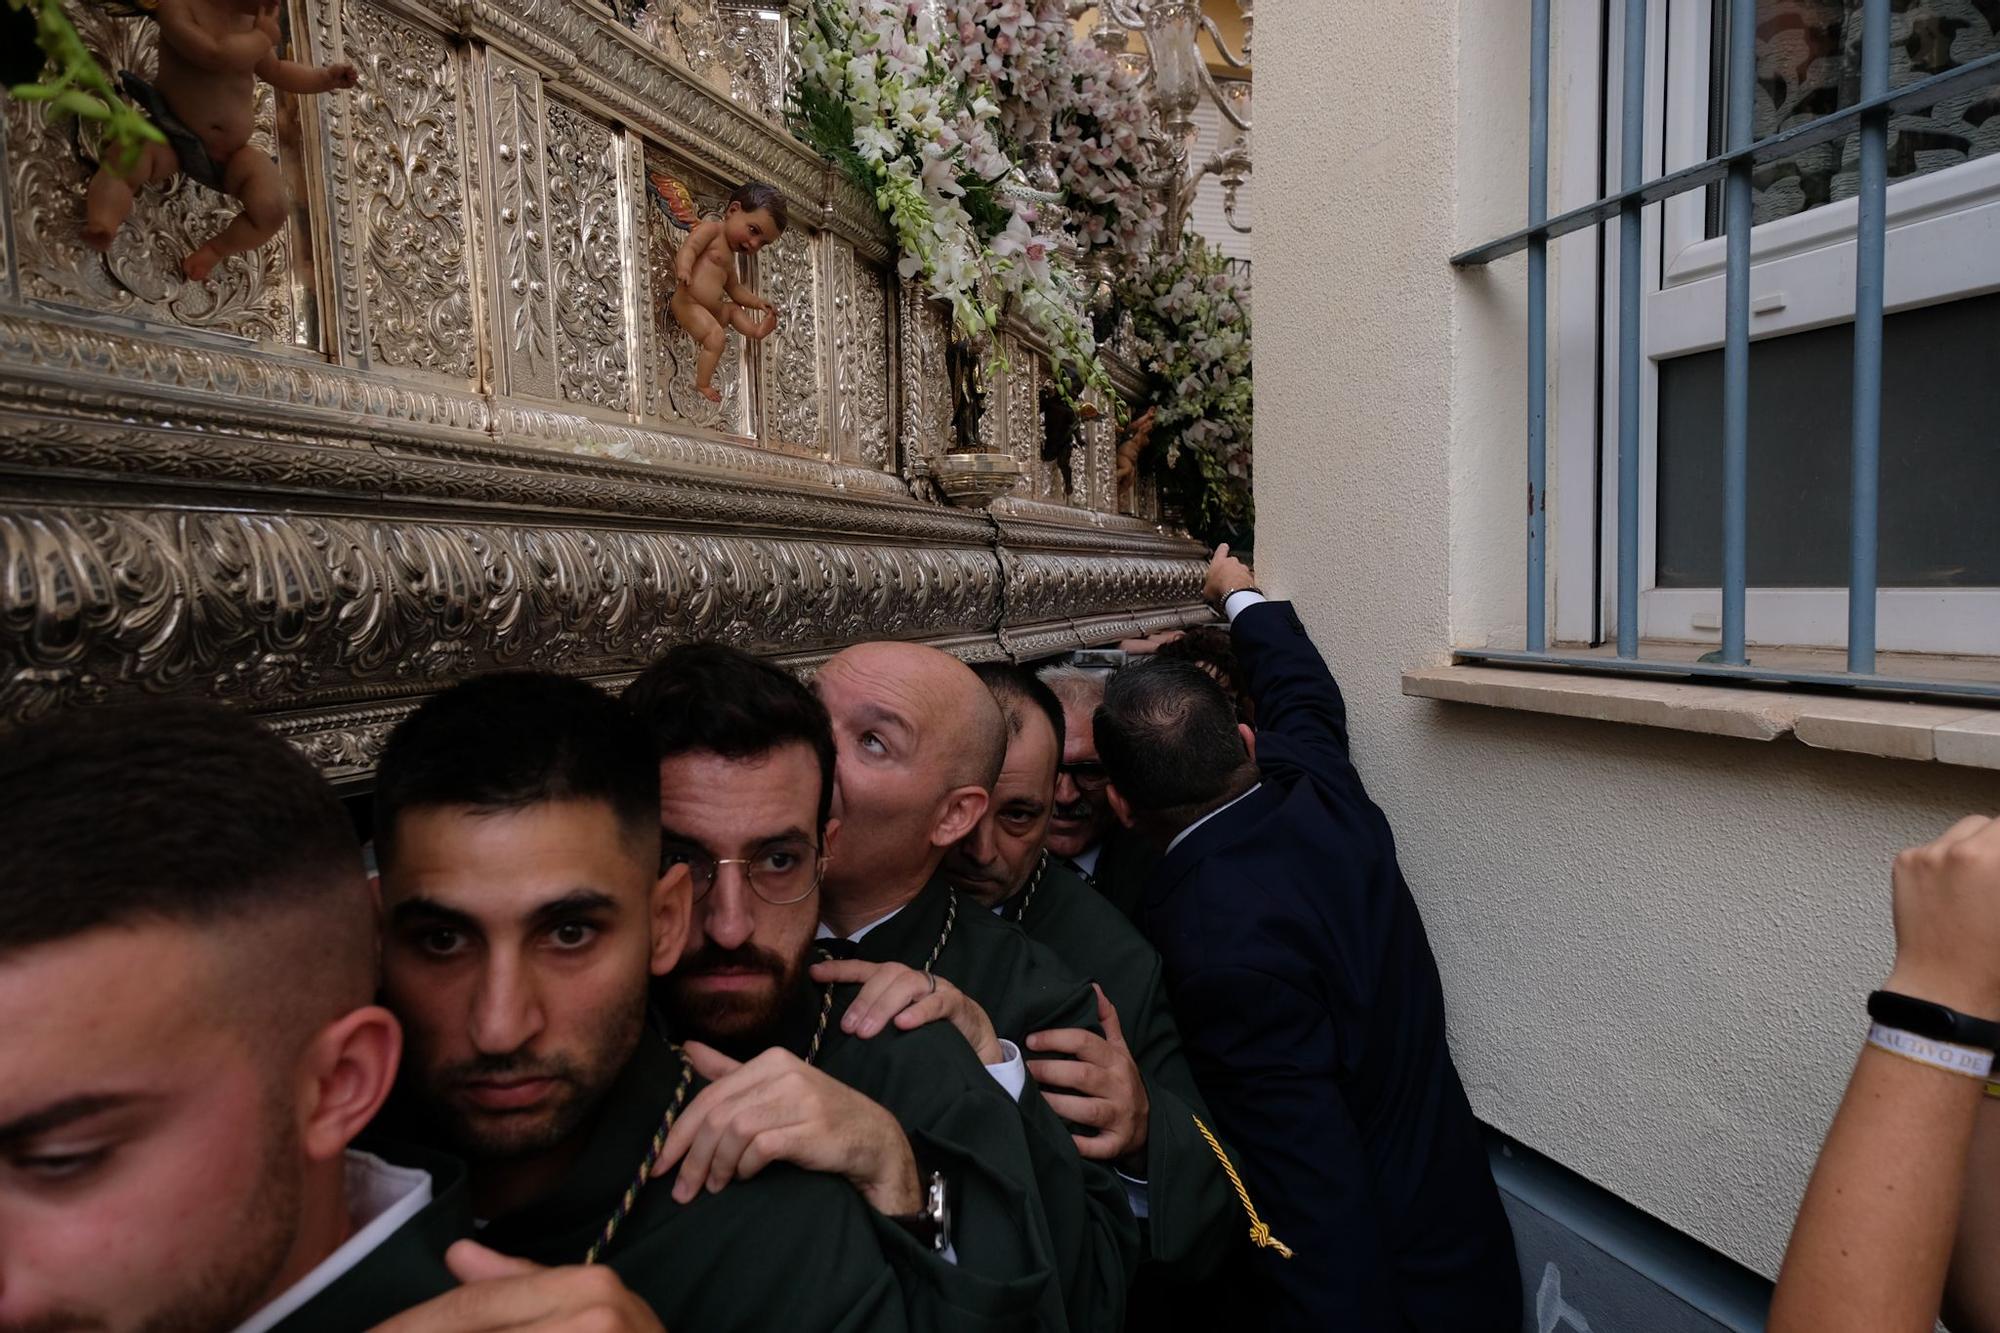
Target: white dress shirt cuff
x: 1012, y: 1072
x: 1236, y: 602
x: 1136, y: 1194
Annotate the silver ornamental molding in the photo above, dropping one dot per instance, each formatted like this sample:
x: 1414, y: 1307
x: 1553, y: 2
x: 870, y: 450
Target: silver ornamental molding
x: 442, y: 424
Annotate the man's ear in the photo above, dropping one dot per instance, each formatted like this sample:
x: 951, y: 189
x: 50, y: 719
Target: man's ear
x: 960, y: 813
x: 829, y: 835
x: 1121, y: 807
x: 347, y: 1071
x: 1249, y: 740
x: 671, y: 905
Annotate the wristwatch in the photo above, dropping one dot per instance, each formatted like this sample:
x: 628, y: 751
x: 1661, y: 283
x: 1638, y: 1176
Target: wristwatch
x: 1926, y: 1019
x: 1222, y: 603
x: 931, y: 1223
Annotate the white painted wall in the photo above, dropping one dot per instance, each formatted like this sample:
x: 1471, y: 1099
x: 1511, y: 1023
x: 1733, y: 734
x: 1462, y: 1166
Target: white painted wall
x: 1655, y: 945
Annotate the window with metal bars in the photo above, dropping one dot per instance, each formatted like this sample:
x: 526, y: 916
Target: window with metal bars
x: 1764, y: 381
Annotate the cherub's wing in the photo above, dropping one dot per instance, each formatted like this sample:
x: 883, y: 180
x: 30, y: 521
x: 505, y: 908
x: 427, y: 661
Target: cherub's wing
x: 674, y: 199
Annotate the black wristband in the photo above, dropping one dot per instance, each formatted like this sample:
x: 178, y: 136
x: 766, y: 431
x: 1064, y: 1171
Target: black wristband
x: 1935, y: 1021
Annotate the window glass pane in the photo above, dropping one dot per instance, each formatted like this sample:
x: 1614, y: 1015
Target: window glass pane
x: 1809, y: 64
x: 1940, y: 455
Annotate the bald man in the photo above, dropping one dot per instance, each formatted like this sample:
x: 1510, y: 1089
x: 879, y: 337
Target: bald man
x: 920, y: 743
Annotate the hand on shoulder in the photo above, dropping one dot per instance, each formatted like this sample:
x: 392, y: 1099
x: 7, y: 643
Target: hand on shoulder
x: 512, y: 1294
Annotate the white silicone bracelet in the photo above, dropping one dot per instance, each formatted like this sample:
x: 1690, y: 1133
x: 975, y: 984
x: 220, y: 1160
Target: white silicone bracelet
x: 1967, y: 1060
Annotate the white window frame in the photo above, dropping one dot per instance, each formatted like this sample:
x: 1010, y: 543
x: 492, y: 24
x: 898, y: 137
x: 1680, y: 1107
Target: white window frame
x: 1943, y: 243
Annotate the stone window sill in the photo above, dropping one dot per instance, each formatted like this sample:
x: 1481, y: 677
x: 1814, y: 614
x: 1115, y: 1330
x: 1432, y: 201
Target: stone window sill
x: 1942, y: 733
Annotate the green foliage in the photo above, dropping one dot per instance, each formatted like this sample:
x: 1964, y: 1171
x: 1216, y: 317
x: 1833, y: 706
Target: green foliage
x: 80, y: 87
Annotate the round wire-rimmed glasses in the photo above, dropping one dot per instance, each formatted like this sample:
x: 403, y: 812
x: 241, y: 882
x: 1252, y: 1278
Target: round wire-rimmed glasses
x: 780, y: 886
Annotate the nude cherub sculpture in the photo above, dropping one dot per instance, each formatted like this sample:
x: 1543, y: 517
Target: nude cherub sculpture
x: 710, y: 297
x: 204, y: 100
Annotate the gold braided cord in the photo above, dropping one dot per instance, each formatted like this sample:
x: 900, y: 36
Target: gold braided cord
x: 1260, y: 1234
x: 950, y: 920
x: 1028, y: 894
x: 645, y: 1174
x: 819, y: 1033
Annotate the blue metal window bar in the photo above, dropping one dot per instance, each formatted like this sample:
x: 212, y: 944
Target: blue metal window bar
x: 1732, y: 167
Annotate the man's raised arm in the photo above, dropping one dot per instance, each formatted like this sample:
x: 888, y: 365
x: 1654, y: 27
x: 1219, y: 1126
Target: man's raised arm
x: 1301, y: 717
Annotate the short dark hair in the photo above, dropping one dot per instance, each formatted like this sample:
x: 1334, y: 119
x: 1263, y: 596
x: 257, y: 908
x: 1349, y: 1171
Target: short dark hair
x: 753, y: 195
x: 169, y: 811
x: 1210, y: 648
x: 1017, y: 689
x: 709, y: 696
x: 1167, y: 735
x: 515, y: 739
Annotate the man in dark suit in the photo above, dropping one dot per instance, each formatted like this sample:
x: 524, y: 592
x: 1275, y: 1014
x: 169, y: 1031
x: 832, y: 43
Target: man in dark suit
x: 1306, y: 991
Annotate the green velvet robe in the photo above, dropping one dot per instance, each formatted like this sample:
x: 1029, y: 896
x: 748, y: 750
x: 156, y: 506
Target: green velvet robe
x: 1193, y: 1216
x: 787, y: 1249
x: 961, y: 1122
x: 1024, y: 988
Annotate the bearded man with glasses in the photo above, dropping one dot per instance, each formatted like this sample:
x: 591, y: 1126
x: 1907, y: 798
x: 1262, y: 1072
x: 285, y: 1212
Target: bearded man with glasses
x: 746, y: 779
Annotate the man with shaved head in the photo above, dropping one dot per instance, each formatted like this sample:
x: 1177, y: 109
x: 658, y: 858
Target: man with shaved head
x: 189, y: 1040
x: 920, y: 743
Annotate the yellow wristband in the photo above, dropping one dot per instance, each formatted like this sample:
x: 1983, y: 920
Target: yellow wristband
x: 1993, y: 1088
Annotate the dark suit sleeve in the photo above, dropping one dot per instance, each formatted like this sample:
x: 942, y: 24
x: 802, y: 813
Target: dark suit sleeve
x: 1301, y: 717
x: 1269, y: 1073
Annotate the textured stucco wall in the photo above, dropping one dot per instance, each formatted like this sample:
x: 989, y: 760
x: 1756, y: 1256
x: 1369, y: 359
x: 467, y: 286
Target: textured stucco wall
x: 1655, y: 945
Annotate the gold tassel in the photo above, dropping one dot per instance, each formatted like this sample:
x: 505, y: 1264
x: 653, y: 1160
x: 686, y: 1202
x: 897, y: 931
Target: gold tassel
x: 1260, y: 1234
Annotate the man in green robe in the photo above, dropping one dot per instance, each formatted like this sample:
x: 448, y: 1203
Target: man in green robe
x: 746, y: 776
x: 1188, y: 1216
x: 919, y: 745
x: 189, y: 1044
x: 517, y: 831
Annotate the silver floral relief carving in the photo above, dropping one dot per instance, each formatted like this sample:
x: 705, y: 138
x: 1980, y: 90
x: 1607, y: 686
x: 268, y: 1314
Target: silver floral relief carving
x: 675, y: 354
x: 1098, y: 463
x: 407, y: 154
x: 588, y: 247
x: 926, y: 388
x: 270, y: 608
x: 521, y: 225
x: 753, y: 39
x: 874, y: 430
x: 1048, y: 585
x: 788, y: 272
x: 1024, y: 421
x: 248, y: 295
x: 840, y: 338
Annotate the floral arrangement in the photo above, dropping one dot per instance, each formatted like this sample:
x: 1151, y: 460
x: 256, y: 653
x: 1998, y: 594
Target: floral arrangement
x: 1191, y: 322
x: 1025, y: 53
x: 881, y: 94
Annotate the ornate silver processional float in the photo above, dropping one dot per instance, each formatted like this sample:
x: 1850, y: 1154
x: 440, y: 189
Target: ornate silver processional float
x: 442, y: 423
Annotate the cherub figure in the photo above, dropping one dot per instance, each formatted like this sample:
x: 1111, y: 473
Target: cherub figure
x: 710, y: 297
x: 204, y: 100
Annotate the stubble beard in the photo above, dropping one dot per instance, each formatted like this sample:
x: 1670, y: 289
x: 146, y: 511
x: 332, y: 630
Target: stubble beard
x: 584, y: 1084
